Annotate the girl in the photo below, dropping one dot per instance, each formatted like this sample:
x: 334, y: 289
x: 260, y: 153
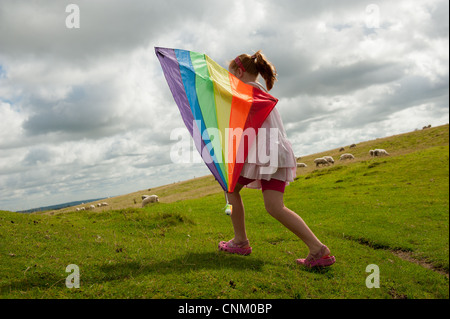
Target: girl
x: 272, y: 182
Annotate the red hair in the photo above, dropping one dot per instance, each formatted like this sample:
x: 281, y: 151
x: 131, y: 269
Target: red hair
x: 257, y: 64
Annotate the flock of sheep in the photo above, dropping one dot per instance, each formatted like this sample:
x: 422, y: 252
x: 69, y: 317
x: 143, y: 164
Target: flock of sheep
x: 329, y: 160
x: 146, y: 199
x: 91, y: 207
x: 325, y: 160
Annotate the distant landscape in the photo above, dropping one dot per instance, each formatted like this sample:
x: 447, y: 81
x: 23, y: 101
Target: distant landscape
x: 60, y: 206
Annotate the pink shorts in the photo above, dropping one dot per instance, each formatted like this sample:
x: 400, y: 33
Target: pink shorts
x: 273, y: 184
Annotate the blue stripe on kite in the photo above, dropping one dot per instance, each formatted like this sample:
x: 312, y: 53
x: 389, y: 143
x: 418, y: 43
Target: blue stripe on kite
x: 188, y: 77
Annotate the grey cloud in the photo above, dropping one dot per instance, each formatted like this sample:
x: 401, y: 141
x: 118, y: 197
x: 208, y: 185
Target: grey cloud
x: 106, y: 27
x: 153, y: 160
x: 304, y: 125
x: 296, y: 10
x: 87, y: 110
x: 438, y: 24
x: 410, y: 92
x: 341, y: 80
x: 415, y: 90
x: 38, y: 156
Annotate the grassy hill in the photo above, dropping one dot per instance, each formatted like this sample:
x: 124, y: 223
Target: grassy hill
x: 390, y: 211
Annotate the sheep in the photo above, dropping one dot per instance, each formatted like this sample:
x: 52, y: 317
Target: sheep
x: 341, y: 149
x: 301, y: 165
x: 329, y: 159
x: 91, y: 207
x: 353, y: 145
x: 150, y: 199
x: 322, y: 161
x: 77, y: 209
x: 379, y: 152
x: 144, y: 196
x: 104, y: 204
x: 99, y: 204
x: 346, y: 156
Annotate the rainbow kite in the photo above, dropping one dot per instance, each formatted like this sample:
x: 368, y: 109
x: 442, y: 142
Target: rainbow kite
x: 222, y: 113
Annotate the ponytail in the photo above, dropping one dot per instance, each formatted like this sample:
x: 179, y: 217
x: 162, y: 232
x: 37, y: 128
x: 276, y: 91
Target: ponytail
x: 257, y: 64
x: 266, y: 69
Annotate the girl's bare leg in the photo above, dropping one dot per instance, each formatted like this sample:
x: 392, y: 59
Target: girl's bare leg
x: 273, y: 201
x: 238, y: 215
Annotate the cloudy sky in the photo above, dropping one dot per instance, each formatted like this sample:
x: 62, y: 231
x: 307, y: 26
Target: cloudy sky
x: 86, y: 112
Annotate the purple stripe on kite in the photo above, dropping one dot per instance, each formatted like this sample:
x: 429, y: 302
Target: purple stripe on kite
x: 189, y: 81
x: 170, y: 66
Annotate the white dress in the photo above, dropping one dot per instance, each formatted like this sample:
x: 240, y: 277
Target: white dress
x: 282, y: 163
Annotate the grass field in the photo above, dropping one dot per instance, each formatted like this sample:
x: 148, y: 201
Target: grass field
x: 390, y: 211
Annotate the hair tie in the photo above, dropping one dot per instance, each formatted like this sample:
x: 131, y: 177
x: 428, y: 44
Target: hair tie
x: 239, y: 63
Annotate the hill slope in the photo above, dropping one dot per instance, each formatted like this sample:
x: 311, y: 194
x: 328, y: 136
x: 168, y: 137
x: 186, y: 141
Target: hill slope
x: 391, y: 212
x: 202, y: 186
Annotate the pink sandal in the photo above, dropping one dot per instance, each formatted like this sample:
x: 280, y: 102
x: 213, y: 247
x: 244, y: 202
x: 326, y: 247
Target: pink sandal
x: 233, y: 248
x: 321, y: 259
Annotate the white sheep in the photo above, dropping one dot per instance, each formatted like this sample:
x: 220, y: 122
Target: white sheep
x: 379, y: 152
x: 150, y: 199
x: 346, y: 156
x: 99, y: 204
x: 329, y: 159
x: 91, y: 207
x: 322, y: 161
x: 301, y: 165
x: 104, y: 204
x: 77, y: 209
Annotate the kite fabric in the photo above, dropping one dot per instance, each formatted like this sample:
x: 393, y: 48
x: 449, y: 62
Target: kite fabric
x: 222, y: 113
